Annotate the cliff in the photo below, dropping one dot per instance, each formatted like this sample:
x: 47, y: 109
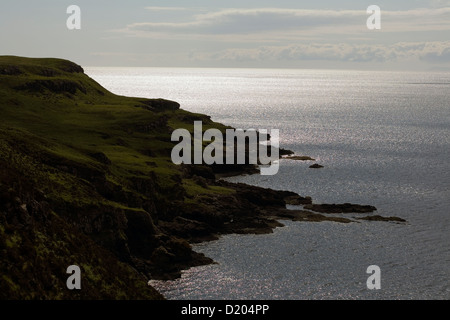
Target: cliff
x: 86, y: 179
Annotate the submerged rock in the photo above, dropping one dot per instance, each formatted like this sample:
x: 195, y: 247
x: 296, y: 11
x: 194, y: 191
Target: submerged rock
x: 380, y: 218
x: 300, y: 158
x: 340, y: 208
x: 303, y: 215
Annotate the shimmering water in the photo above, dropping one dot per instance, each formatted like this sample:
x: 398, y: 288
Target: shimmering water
x: 384, y: 140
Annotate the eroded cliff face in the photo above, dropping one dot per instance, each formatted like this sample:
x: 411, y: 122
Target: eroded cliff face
x: 37, y: 245
x: 86, y: 179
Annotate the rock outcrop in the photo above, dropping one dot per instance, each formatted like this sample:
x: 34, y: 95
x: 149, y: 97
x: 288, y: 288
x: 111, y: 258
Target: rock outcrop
x: 340, y: 208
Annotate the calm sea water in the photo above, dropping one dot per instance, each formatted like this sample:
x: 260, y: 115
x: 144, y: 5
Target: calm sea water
x: 383, y: 139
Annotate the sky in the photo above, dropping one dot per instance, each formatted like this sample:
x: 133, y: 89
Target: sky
x: 414, y: 34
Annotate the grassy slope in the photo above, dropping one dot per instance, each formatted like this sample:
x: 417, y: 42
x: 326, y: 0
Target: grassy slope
x: 86, y: 152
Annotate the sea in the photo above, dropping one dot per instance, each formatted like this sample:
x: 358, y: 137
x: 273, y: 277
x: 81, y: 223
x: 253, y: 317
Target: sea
x: 383, y: 139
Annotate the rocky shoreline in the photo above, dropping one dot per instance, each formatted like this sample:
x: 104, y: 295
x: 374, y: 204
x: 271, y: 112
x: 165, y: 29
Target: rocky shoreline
x: 249, y: 210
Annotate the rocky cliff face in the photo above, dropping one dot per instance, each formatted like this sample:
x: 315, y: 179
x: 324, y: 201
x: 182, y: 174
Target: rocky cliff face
x: 86, y: 179
x: 37, y: 245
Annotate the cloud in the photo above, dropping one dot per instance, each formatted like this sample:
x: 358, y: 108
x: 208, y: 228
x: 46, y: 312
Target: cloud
x: 342, y: 52
x: 437, y: 57
x: 247, y: 22
x: 244, y: 21
x: 276, y: 36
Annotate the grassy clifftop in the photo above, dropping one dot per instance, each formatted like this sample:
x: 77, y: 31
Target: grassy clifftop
x: 85, y: 177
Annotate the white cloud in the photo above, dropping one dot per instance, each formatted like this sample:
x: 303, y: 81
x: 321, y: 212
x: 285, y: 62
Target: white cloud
x: 244, y: 21
x: 343, y: 52
x: 274, y: 36
x: 250, y: 22
x: 442, y: 56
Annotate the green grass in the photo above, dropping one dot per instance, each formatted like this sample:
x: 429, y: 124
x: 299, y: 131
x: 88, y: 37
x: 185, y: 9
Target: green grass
x: 70, y: 126
x: 84, y: 147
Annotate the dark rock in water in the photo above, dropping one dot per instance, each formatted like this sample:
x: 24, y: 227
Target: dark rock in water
x: 303, y: 215
x: 284, y: 152
x: 300, y: 158
x: 316, y: 166
x: 380, y: 218
x: 340, y: 208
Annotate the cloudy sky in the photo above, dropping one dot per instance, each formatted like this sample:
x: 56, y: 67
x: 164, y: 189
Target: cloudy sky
x: 414, y: 35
